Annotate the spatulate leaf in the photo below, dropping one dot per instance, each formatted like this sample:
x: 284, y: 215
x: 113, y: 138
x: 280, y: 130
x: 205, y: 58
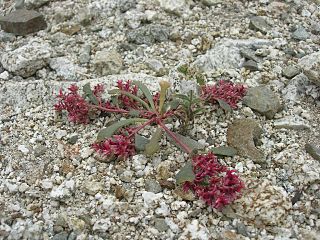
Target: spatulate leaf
x: 185, y: 174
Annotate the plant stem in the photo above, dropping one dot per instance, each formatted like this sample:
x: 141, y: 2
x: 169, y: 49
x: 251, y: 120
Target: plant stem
x: 185, y: 147
x: 141, y: 127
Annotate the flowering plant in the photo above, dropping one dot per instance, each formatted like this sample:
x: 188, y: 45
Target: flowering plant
x: 210, y: 180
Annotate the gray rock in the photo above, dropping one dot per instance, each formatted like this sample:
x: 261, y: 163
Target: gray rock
x: 315, y: 28
x: 23, y: 22
x: 126, y: 176
x: 125, y: 5
x: 251, y: 65
x: 291, y: 93
x: 33, y: 4
x: 65, y: 69
x: 153, y: 186
x: 259, y: 23
x: 61, y: 236
x: 84, y: 17
x: 84, y: 54
x: 7, y: 37
x: 156, y: 66
x: 92, y: 188
x: 101, y: 225
x: 242, y: 229
x: 310, y: 66
x: 19, y: 4
x: 108, y: 62
x: 161, y: 225
x: 300, y: 34
x: 73, y: 139
x: 149, y: 34
x: 211, y: 2
x: 262, y: 100
x: 39, y: 150
x: 291, y: 71
x: 242, y: 135
x: 177, y: 7
x: 220, y: 57
x: 313, y: 150
x: 292, y: 122
x: 249, y: 54
x: 26, y: 60
x: 64, y: 191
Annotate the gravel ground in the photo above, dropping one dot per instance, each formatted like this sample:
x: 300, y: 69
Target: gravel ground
x: 52, y: 186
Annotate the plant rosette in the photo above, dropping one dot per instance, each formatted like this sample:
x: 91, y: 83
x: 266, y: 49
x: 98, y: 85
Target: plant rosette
x: 214, y: 183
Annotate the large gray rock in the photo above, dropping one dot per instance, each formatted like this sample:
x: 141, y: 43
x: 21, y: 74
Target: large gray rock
x: 242, y: 135
x: 23, y: 22
x: 26, y: 60
x: 310, y: 66
x: 220, y: 57
x: 300, y: 34
x: 149, y: 34
x: 262, y: 100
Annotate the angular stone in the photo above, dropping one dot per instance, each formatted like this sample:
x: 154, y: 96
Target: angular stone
x: 313, y: 150
x: 161, y: 225
x: 149, y: 34
x: 249, y: 54
x: 219, y: 57
x: 242, y: 135
x: 300, y: 34
x: 26, y: 60
x: 107, y: 63
x: 310, y: 65
x: 177, y: 7
x: 251, y: 65
x: 291, y: 71
x: 23, y: 22
x: 153, y: 186
x: 262, y: 100
x: 259, y: 23
x: 92, y: 188
x: 292, y: 122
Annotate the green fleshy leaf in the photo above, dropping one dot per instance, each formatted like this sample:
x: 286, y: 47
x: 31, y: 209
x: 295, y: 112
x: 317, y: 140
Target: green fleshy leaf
x: 89, y: 94
x: 192, y: 144
x: 183, y: 97
x: 224, y: 151
x: 185, y: 174
x: 109, y: 131
x: 153, y: 146
x: 130, y: 95
x: 140, y: 142
x: 224, y: 105
x: 146, y: 93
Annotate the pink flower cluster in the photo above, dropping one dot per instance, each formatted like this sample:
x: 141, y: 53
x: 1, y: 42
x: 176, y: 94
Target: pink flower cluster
x: 118, y: 146
x: 74, y: 104
x: 214, y: 183
x: 225, y: 90
x: 130, y: 88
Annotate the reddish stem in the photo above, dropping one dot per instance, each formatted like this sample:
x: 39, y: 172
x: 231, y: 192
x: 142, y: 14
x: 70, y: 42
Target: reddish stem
x: 185, y: 147
x: 141, y: 127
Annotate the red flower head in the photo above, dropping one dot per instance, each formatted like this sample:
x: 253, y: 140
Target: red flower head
x: 119, y: 146
x: 227, y: 91
x: 74, y: 104
x: 214, y: 183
